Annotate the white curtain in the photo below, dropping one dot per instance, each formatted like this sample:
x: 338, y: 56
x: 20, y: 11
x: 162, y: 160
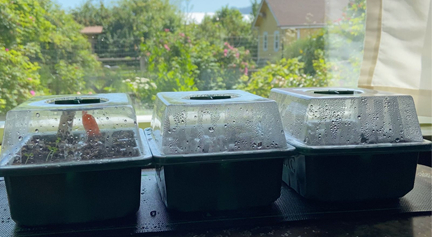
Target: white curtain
x: 397, y: 50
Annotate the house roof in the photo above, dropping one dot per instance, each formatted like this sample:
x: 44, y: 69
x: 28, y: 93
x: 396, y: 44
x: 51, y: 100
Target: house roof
x: 291, y: 13
x: 90, y: 30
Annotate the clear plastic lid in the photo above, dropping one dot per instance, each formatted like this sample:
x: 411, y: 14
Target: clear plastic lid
x: 58, y: 130
x: 215, y: 121
x: 346, y: 116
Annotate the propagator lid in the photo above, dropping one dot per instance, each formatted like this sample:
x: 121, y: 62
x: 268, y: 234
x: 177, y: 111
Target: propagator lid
x: 324, y: 117
x: 51, y: 134
x: 215, y: 122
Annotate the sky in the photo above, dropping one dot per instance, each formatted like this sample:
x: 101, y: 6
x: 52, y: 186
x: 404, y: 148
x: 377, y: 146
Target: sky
x: 197, y: 5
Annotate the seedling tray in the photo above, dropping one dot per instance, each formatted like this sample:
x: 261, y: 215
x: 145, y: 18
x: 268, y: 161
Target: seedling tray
x: 75, y: 191
x: 353, y: 173
x: 221, y: 181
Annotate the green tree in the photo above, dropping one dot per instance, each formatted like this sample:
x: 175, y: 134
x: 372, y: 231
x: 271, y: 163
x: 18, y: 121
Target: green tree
x: 127, y: 24
x: 40, y: 49
x: 65, y: 55
x: 176, y: 62
x: 227, y: 25
x: 305, y: 50
x: 344, y: 42
x: 255, y: 8
x: 21, y: 25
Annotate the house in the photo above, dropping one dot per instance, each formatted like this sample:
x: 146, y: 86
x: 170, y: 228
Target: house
x: 91, y: 32
x: 281, y: 22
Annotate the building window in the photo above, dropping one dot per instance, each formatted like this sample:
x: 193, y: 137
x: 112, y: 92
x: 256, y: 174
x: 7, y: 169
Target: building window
x: 276, y: 41
x: 265, y: 41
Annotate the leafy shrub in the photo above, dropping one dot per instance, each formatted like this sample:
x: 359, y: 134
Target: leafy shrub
x: 286, y: 73
x: 177, y: 62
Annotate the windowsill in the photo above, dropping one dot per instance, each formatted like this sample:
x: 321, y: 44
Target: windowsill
x: 425, y: 125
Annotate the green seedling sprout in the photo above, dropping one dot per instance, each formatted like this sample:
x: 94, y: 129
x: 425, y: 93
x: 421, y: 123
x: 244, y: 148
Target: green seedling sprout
x: 28, y: 156
x: 53, y: 149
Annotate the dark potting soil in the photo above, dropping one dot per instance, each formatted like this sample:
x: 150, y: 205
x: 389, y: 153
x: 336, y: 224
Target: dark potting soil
x: 41, y: 149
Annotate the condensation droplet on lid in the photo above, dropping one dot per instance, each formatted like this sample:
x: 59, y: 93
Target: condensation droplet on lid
x: 36, y: 130
x: 20, y: 138
x: 211, y: 129
x: 37, y: 115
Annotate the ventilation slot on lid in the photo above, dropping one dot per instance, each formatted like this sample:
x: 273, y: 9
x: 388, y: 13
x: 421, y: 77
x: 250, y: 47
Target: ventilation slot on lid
x: 210, y: 97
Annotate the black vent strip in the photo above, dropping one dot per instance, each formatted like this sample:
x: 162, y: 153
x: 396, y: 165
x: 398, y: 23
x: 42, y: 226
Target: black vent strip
x: 334, y: 92
x: 211, y: 97
x: 77, y: 101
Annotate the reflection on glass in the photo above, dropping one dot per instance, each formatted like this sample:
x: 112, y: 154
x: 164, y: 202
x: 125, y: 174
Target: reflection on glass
x: 142, y: 48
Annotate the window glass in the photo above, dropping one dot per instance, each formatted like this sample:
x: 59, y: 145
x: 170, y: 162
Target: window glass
x: 276, y: 41
x: 265, y: 41
x: 144, y: 47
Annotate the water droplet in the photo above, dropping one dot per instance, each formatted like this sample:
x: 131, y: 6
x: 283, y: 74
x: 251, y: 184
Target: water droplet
x: 226, y: 125
x: 397, y: 140
x: 36, y: 130
x: 107, y: 118
x: 259, y: 145
x: 20, y: 138
x: 37, y: 115
x: 211, y: 129
x: 359, y: 117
